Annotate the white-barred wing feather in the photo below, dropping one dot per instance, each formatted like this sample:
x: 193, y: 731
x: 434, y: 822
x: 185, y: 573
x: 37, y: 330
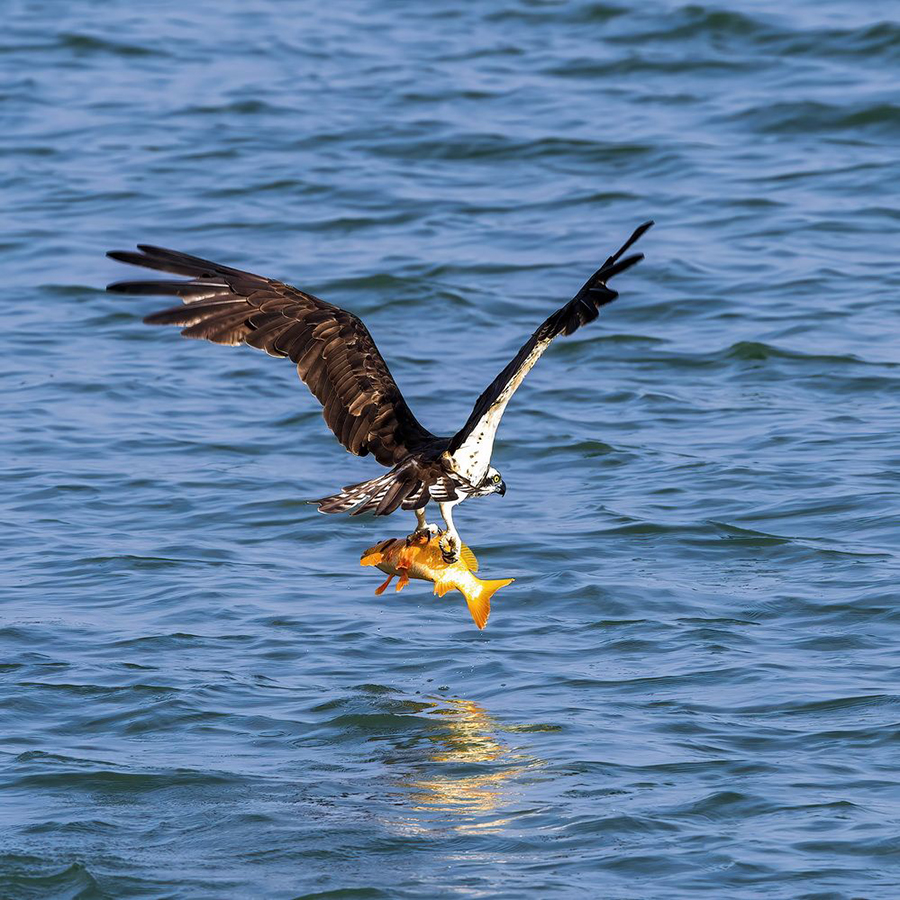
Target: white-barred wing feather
x: 471, y: 447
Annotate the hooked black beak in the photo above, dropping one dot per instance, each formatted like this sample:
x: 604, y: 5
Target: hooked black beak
x: 502, y: 489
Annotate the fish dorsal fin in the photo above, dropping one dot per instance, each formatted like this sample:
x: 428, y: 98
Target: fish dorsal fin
x: 468, y: 558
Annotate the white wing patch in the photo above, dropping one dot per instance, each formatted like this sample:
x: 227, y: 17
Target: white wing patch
x: 473, y: 457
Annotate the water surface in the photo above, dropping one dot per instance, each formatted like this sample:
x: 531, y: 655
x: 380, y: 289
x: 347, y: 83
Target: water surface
x: 691, y: 688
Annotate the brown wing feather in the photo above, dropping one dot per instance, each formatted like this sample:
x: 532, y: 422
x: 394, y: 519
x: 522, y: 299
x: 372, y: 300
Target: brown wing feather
x: 584, y: 307
x: 335, y: 354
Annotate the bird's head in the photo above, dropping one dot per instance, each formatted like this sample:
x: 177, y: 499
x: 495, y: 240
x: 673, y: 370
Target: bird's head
x: 492, y: 483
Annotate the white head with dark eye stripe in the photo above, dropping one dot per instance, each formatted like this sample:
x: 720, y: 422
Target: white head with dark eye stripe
x: 492, y: 483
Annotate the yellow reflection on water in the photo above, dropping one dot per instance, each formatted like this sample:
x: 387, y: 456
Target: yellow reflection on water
x: 467, y: 736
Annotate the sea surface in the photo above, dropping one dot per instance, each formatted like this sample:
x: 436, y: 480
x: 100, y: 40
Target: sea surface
x: 691, y: 689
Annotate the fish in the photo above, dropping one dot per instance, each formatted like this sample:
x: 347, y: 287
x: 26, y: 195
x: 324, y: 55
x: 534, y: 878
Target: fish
x: 419, y: 556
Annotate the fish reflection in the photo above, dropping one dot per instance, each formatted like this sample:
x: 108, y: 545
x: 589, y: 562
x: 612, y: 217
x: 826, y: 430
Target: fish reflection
x: 470, y: 768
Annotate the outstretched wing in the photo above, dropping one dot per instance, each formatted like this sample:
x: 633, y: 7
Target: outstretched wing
x: 334, y: 352
x: 471, y: 447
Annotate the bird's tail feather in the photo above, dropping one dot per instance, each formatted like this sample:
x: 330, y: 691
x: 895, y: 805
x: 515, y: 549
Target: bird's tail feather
x: 380, y: 495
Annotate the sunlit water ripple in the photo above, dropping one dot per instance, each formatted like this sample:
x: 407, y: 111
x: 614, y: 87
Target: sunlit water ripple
x: 691, y: 686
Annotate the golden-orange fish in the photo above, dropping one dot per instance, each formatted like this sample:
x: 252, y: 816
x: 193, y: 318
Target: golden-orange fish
x: 420, y: 557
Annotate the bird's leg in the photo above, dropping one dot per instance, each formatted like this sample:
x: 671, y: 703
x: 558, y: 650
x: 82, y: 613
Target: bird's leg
x: 450, y: 542
x: 422, y: 526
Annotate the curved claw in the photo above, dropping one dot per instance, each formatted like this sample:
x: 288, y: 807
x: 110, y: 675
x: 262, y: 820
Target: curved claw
x: 449, y: 547
x: 428, y: 531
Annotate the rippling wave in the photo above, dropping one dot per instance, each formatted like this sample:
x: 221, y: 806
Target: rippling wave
x: 689, y: 688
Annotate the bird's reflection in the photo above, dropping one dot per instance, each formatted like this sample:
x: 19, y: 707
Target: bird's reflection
x: 470, y: 769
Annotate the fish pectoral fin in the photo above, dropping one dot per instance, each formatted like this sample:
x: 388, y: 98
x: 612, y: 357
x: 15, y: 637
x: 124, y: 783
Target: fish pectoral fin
x: 403, y: 581
x: 468, y: 558
x: 371, y: 558
x: 382, y: 588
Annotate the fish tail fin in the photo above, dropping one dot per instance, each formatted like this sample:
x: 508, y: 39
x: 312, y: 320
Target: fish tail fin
x: 479, y: 600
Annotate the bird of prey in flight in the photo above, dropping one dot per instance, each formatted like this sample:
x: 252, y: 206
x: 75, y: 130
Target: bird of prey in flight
x: 338, y: 361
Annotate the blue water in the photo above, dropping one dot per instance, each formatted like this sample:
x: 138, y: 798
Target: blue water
x: 691, y: 687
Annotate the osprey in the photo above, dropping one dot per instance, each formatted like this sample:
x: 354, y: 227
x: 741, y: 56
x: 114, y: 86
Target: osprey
x: 339, y: 362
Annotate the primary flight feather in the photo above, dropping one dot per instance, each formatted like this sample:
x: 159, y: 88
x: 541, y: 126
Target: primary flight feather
x: 339, y: 362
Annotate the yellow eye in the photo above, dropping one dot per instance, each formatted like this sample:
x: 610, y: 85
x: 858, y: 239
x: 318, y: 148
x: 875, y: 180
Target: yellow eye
x: 496, y: 479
